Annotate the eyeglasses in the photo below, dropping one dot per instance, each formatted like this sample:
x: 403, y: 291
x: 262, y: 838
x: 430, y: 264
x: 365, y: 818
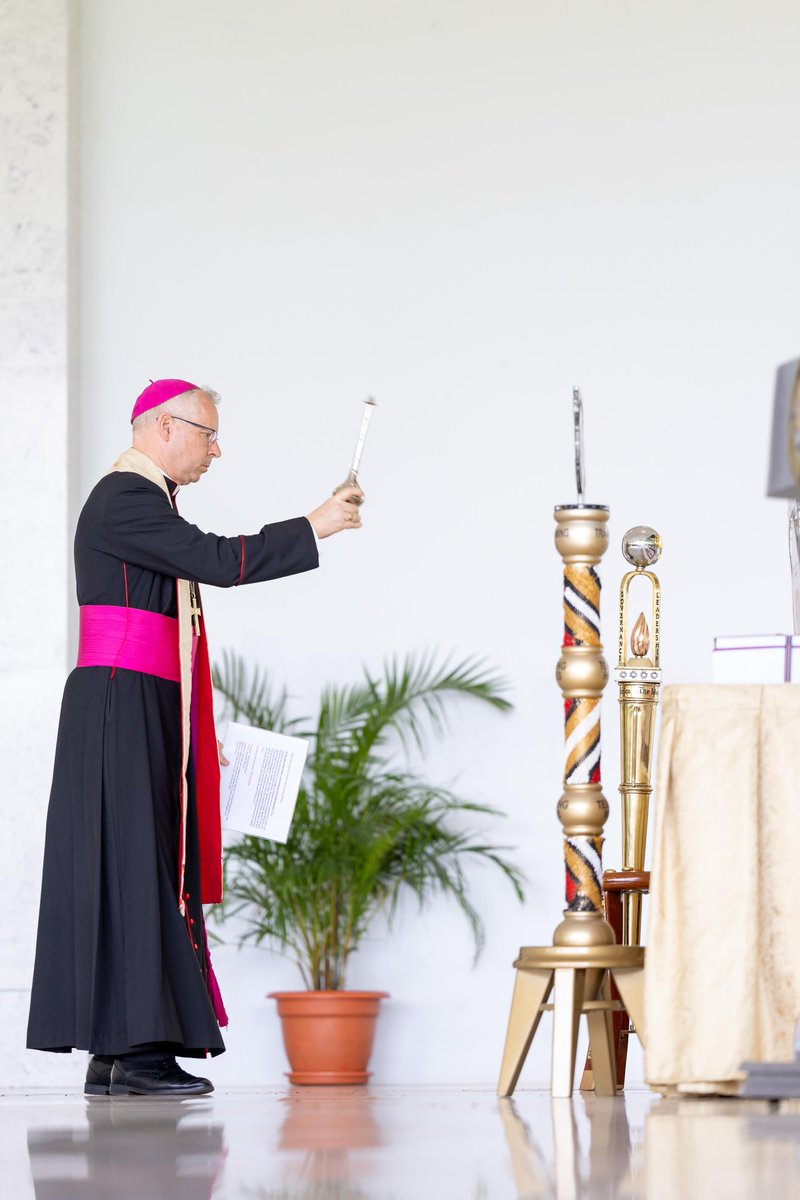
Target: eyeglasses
x: 212, y: 435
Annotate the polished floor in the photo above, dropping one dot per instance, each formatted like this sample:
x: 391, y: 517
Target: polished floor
x: 396, y: 1143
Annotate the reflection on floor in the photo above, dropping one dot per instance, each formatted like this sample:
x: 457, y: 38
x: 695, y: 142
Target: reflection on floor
x: 376, y: 1143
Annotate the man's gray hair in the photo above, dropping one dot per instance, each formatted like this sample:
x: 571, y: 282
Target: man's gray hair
x: 215, y: 396
x: 182, y: 400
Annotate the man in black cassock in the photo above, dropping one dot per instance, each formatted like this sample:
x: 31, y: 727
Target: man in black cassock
x: 132, y: 846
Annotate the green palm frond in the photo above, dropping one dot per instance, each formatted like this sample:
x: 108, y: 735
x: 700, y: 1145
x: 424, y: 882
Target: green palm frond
x: 365, y: 832
x: 252, y: 697
x: 411, y: 693
x: 410, y: 701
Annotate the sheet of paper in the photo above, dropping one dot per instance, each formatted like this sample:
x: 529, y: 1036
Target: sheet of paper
x: 259, y: 788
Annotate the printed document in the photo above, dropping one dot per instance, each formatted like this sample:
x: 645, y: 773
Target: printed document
x: 259, y: 786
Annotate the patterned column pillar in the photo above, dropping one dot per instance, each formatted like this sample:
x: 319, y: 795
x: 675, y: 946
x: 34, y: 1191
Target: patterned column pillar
x: 582, y: 673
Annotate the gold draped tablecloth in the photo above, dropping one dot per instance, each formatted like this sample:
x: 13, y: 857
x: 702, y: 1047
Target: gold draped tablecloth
x: 722, y: 977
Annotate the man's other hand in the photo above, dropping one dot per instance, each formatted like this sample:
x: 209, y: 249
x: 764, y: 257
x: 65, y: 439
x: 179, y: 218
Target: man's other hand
x: 340, y: 512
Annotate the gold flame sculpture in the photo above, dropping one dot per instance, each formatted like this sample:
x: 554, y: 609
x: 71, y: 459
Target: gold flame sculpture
x: 638, y: 676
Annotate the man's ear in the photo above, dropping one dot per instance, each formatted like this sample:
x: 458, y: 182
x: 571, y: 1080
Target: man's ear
x: 164, y: 426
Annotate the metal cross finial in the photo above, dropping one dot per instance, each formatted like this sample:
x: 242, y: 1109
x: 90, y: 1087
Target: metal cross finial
x: 577, y: 417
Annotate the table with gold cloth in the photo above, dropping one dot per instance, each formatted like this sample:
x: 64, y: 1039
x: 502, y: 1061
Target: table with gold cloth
x: 722, y: 976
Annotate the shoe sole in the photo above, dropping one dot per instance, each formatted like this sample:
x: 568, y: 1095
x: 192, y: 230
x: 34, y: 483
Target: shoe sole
x: 96, y: 1089
x: 122, y: 1089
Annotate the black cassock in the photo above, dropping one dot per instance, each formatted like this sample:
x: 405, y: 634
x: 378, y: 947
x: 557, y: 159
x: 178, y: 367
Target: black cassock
x: 117, y: 964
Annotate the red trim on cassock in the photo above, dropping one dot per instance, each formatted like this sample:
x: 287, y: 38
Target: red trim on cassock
x: 241, y: 569
x: 209, y: 816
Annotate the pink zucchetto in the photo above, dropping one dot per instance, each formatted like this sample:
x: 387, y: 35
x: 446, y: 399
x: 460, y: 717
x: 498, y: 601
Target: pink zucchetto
x: 158, y: 392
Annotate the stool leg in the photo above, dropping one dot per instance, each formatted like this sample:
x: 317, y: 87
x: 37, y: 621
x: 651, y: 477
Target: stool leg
x: 622, y: 1027
x: 568, y: 1002
x: 602, y: 1046
x: 531, y: 990
x: 614, y: 916
x: 630, y: 984
x: 612, y: 902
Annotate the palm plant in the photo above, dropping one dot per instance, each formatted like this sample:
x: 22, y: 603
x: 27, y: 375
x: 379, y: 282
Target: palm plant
x: 367, y: 826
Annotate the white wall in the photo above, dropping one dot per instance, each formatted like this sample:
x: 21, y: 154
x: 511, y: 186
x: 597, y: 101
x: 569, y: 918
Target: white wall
x: 463, y: 208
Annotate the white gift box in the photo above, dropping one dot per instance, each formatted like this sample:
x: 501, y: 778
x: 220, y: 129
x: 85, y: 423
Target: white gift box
x: 756, y: 658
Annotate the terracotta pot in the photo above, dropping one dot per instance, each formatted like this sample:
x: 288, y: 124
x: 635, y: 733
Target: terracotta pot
x: 328, y: 1035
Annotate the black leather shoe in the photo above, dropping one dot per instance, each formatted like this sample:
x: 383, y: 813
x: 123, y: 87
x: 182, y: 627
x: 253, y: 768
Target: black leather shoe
x: 98, y: 1077
x: 155, y: 1077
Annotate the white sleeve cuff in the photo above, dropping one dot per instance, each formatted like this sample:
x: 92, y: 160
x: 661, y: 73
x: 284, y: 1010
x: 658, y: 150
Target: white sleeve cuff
x: 320, y: 551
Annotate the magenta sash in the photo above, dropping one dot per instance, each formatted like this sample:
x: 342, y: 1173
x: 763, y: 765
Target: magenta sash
x: 132, y: 639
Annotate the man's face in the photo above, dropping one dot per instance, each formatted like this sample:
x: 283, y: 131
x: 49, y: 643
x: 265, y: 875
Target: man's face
x: 188, y: 453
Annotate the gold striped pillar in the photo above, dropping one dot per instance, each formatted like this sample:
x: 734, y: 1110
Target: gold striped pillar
x: 575, y: 969
x: 581, y: 540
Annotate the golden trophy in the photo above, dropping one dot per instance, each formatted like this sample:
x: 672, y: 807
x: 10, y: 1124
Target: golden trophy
x: 638, y: 676
x: 576, y: 967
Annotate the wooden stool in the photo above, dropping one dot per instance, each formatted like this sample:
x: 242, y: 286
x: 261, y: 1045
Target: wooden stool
x: 580, y: 979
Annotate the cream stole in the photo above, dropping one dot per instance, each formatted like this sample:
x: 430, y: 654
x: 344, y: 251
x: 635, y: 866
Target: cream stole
x: 134, y: 461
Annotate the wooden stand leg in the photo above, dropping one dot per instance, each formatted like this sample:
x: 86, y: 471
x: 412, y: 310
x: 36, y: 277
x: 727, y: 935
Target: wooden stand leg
x: 602, y: 1046
x: 613, y: 903
x: 630, y: 983
x: 568, y: 1002
x: 618, y: 888
x: 531, y: 990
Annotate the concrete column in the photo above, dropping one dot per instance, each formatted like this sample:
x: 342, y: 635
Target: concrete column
x: 38, y: 362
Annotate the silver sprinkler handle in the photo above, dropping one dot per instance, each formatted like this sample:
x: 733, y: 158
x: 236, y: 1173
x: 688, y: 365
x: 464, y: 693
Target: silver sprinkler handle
x: 577, y: 418
x: 369, y: 404
x: 352, y: 478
